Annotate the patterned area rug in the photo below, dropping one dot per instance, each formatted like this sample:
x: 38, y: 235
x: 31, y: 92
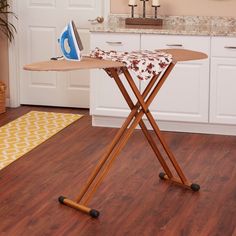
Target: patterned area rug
x: 25, y: 133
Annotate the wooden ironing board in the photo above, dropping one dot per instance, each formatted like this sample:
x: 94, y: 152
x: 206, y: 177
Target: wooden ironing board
x: 138, y: 110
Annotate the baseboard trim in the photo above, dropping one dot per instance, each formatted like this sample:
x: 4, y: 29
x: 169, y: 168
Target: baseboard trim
x: 189, y: 127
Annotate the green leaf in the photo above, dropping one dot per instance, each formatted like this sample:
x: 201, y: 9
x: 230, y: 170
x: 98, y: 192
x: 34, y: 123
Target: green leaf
x: 6, y: 27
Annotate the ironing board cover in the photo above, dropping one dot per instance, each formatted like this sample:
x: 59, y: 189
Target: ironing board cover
x: 145, y: 64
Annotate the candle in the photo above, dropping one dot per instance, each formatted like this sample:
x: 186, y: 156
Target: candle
x: 155, y: 3
x: 132, y: 3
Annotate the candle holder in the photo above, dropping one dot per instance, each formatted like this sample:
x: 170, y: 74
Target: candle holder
x: 132, y: 9
x: 155, y: 13
x: 143, y: 20
x: 144, y: 7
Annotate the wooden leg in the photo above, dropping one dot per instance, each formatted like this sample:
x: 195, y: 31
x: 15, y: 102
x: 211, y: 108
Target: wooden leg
x: 116, y: 152
x: 167, y: 149
x: 141, y: 123
x: 106, y: 155
x: 145, y: 106
x: 104, y: 165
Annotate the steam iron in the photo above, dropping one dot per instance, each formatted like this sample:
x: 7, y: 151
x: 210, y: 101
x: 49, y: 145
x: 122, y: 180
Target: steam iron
x: 70, y: 36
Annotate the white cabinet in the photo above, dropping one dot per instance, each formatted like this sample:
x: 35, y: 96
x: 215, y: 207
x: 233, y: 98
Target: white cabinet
x: 198, y: 96
x: 184, y: 97
x: 223, y: 81
x: 185, y: 94
x: 106, y: 99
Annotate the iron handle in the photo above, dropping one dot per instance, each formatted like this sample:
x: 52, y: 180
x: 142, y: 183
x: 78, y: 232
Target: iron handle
x: 174, y: 45
x: 114, y: 43
x: 230, y: 47
x: 99, y: 19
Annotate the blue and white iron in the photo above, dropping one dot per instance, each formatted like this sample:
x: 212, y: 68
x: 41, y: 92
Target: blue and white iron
x: 70, y: 34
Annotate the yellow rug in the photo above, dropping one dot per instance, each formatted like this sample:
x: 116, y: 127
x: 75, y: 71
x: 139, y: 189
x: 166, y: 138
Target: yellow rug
x: 25, y: 133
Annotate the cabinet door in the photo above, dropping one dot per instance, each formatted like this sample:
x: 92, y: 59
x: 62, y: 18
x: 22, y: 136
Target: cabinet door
x: 223, y: 91
x: 106, y: 99
x: 185, y: 94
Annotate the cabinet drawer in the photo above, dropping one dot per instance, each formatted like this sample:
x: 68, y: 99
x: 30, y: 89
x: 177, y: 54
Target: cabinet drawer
x: 114, y: 41
x: 223, y: 47
x: 198, y: 43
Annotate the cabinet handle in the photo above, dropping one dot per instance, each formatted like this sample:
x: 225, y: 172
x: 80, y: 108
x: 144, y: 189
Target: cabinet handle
x: 230, y: 47
x: 114, y: 43
x: 174, y: 45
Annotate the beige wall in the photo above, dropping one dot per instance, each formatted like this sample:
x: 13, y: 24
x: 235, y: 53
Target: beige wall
x: 4, y: 62
x: 183, y: 7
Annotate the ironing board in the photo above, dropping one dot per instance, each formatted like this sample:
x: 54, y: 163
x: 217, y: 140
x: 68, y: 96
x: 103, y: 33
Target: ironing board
x: 138, y: 110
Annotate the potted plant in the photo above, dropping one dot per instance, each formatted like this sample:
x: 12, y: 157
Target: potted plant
x: 7, y: 29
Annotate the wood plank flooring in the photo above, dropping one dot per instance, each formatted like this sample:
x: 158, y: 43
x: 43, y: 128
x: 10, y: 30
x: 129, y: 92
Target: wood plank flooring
x: 132, y: 200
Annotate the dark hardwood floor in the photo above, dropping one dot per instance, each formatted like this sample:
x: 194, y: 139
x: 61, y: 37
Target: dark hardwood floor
x: 132, y: 199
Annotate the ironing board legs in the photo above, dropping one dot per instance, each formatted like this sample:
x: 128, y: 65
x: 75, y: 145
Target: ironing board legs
x: 183, y: 180
x: 141, y: 123
x: 121, y: 138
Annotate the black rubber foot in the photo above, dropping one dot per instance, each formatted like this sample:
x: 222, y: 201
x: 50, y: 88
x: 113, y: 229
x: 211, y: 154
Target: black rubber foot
x: 162, y: 175
x: 94, y: 213
x: 61, y: 199
x: 195, y: 187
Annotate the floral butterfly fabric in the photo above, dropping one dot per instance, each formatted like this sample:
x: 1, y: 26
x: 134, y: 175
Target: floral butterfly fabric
x: 145, y: 64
